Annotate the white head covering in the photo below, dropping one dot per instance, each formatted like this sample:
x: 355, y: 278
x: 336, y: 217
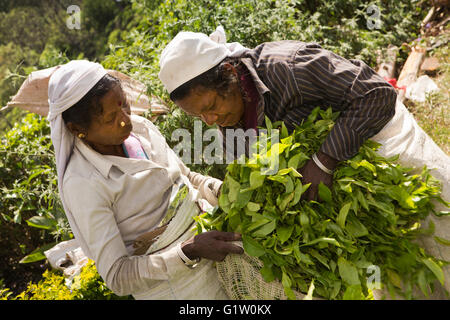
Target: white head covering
x: 190, y: 54
x: 67, y: 85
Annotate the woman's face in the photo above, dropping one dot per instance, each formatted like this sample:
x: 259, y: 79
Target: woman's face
x: 106, y: 131
x: 213, y: 108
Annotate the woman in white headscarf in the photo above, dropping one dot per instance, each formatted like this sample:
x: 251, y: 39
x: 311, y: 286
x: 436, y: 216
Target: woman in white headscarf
x: 116, y: 177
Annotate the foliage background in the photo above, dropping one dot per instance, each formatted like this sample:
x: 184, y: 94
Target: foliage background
x: 128, y: 36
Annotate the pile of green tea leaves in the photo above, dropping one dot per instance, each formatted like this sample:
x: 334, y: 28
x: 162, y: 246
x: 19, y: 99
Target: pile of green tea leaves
x: 367, y: 221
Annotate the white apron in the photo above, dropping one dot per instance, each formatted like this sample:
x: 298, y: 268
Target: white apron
x: 199, y: 283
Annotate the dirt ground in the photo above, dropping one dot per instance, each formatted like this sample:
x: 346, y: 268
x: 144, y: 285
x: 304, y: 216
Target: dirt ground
x: 15, y: 275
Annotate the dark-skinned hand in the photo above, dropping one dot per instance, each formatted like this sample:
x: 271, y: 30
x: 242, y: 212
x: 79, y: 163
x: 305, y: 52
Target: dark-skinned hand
x: 313, y: 174
x: 212, y: 245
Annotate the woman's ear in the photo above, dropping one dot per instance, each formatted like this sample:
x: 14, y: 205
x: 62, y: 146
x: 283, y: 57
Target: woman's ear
x: 76, y: 130
x: 228, y: 67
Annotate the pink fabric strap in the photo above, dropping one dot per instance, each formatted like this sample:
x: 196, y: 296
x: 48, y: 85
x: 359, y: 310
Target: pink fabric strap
x: 133, y: 148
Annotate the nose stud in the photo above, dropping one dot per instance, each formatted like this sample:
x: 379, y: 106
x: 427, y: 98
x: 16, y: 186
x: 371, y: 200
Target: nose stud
x: 122, y: 124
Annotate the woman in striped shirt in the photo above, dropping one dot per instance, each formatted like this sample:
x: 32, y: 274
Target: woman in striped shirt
x: 283, y: 80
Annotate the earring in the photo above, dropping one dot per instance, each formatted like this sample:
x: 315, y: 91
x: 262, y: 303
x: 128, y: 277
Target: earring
x: 81, y: 135
x: 122, y: 124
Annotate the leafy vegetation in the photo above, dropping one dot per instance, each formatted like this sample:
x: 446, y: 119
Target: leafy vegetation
x: 370, y: 217
x: 129, y: 36
x: 87, y: 285
x: 28, y: 196
x: 34, y: 34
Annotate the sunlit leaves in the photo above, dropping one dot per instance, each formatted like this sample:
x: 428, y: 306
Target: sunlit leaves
x: 368, y: 218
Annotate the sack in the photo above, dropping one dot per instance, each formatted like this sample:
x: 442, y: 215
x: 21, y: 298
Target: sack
x: 33, y: 94
x: 241, y: 279
x: 199, y: 283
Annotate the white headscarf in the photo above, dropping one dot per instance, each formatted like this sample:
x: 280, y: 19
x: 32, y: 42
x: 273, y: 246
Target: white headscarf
x: 190, y: 54
x: 67, y: 85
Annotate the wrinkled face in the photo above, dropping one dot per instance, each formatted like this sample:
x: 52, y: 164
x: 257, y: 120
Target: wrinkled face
x: 213, y: 108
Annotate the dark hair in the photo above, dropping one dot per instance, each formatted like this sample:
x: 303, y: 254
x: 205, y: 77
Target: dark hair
x: 81, y: 113
x: 216, y: 78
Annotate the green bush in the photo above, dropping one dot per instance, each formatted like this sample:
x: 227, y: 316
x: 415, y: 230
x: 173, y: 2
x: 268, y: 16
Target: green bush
x: 88, y: 285
x: 28, y: 187
x: 31, y: 214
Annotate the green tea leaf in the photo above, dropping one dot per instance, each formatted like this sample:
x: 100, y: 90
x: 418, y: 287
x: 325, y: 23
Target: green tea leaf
x: 355, y: 227
x: 256, y: 179
x: 284, y: 131
x: 296, y: 159
x: 297, y: 192
x: 343, y: 214
x: 286, y: 281
x: 353, y: 292
x: 243, y: 198
x: 284, y: 232
x: 320, y: 257
x: 265, y: 230
x: 285, y: 199
x: 435, y: 268
x: 362, y: 200
x: 289, y: 185
x: 336, y: 289
x: 442, y: 213
x: 257, y: 223
x: 268, y: 125
x: 253, y: 206
x: 42, y: 222
x: 38, y: 254
x: 394, y: 278
x: 367, y: 165
x: 348, y: 272
x: 252, y: 247
x: 234, y: 187
x: 322, y: 239
x: 267, y: 273
x: 423, y: 285
x: 324, y: 192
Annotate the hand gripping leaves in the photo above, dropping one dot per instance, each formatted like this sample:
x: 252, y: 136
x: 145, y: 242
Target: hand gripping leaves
x: 369, y: 218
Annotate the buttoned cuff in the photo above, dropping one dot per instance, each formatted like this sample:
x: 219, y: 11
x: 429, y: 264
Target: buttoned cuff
x: 174, y: 262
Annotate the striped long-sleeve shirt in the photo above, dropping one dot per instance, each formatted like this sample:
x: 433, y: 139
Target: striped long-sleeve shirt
x: 294, y: 77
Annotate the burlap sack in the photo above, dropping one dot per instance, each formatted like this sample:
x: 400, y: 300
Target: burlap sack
x: 241, y: 279
x: 33, y: 94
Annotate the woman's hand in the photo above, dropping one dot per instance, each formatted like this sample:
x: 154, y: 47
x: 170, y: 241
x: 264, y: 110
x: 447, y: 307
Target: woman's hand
x: 212, y: 245
x: 313, y: 174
